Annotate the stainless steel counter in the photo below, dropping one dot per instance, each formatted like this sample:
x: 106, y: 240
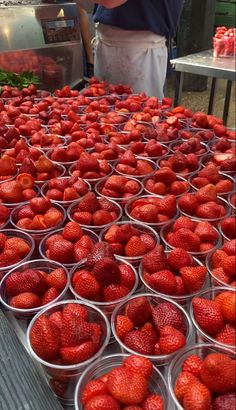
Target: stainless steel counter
x: 205, y: 64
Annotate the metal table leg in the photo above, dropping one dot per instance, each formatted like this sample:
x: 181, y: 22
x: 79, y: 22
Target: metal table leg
x: 227, y: 101
x: 212, y: 96
x: 178, y: 87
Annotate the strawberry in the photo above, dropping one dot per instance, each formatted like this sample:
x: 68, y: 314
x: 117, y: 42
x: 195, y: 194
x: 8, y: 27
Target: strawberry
x: 87, y: 286
x: 75, y: 330
x: 179, y: 258
x: 148, y: 240
x: 186, y: 239
x: 26, y: 300
x: 224, y: 401
x: 53, y: 217
x: 17, y: 245
x: 102, y: 217
x: 135, y: 247
x: 89, y: 203
x: 87, y: 163
x: 166, y: 314
x: 27, y: 281
x: 45, y: 338
x: 77, y: 354
x: 155, y: 260
x: 218, y: 258
x: 197, y: 397
x: 11, y: 192
x: 114, y: 292
x: 206, y: 232
x: 57, y: 279
x: 208, y: 315
x: 86, y: 242
x: 227, y: 335
x: 138, y: 310
x: 228, y: 308
x: 210, y: 172
x: 40, y: 205
x: 228, y: 227
x: 171, y: 340
x: 49, y: 296
x: 229, y: 265
x: 207, y: 193
x: 138, y: 364
x: 193, y: 365
x: 4, y: 214
x: 230, y: 247
x: 92, y: 389
x: 184, y: 380
x: 184, y: 222
x: 193, y: 277
x: 188, y: 203
x: 162, y: 281
x: 123, y: 326
x: 9, y: 257
x: 167, y: 205
x: 28, y: 167
x: 107, y: 271
x: 153, y: 401
x: 218, y: 373
x: 102, y: 402
x: 26, y: 180
x: 99, y: 252
x: 146, y: 213
x: 72, y: 232
x: 126, y: 386
x: 140, y: 342
x: 210, y: 210
x: 56, y: 318
x: 83, y: 218
x: 127, y: 277
x: 76, y: 310
x: 61, y: 251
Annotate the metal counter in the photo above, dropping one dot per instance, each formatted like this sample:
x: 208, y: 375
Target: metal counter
x: 205, y: 64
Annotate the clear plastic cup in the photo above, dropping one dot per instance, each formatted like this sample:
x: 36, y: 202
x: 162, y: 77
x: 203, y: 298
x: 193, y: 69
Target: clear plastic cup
x: 66, y: 164
x: 65, y: 204
x: 17, y: 204
x: 42, y: 244
x: 201, y: 336
x: 121, y: 201
x: 39, y: 264
x: 184, y: 174
x: 166, y: 151
x: 215, y: 281
x: 197, y: 132
x: 157, y: 383
x: 152, y: 163
x: 198, y: 255
x: 135, y: 261
x: 201, y: 350
x: 46, y: 148
x: 10, y: 233
x: 9, y: 178
x: 212, y: 159
x: 178, y: 178
x: 155, y: 225
x: 183, y: 300
x: 61, y: 172
x: 154, y: 300
x: 204, y: 146
x: 67, y: 376
x: 92, y: 181
x: 213, y: 221
x: 95, y: 228
x: 223, y: 177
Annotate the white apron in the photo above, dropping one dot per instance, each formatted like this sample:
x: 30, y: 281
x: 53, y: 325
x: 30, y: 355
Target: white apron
x: 136, y: 58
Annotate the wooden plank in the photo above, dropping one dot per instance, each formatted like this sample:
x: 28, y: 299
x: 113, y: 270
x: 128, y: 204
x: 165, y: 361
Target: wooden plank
x: 22, y: 387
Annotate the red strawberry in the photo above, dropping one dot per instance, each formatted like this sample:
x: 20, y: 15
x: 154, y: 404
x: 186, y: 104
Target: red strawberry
x: 62, y: 251
x: 193, y: 277
x: 127, y: 276
x: 87, y: 163
x: 56, y: 319
x: 84, y: 218
x: 99, y: 252
x: 218, y: 373
x: 167, y: 205
x: 178, y: 258
x: 166, y: 314
x: 49, y: 296
x: 197, y: 397
x: 126, y: 386
x: 228, y: 227
x: 102, y: 217
x: 193, y: 365
x: 206, y: 194
x: 75, y: 330
x: 9, y: 257
x: 155, y: 260
x: 225, y: 401
x: 114, y: 292
x: 57, y: 279
x: 92, y: 389
x: 228, y: 264
x: 102, y: 402
x: 135, y: 247
x: 230, y: 247
x: 162, y: 281
x: 227, y: 335
x: 210, y: 210
x: 87, y: 286
x: 171, y: 340
x: 45, y: 338
x: 40, y: 205
x: 123, y: 326
x: 228, y: 308
x: 89, y: 203
x: 72, y: 232
x: 184, y: 222
x: 206, y: 232
x: 18, y: 245
x: 26, y: 300
x: 140, y: 342
x: 138, y: 310
x: 107, y: 271
x: 76, y: 310
x: 77, y: 354
x: 86, y: 242
x: 138, y: 364
x: 148, y: 241
x: 208, y: 315
x: 154, y: 401
x: 186, y: 239
x: 184, y: 381
x: 188, y: 203
x: 210, y: 172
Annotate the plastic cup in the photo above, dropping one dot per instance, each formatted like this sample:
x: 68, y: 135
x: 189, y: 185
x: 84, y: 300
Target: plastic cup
x: 66, y: 164
x: 96, y: 228
x: 223, y: 177
x: 211, y: 159
x: 215, y: 281
x: 39, y: 264
x: 201, y: 336
x: 183, y: 300
x: 68, y: 375
x: 178, y: 143
x: 194, y: 131
x: 175, y: 367
x: 17, y: 204
x: 183, y: 174
x: 158, y: 360
x: 157, y: 383
x: 135, y: 261
x: 120, y: 201
x: 10, y: 233
x: 178, y: 178
x: 198, y: 255
x: 65, y: 204
x: 61, y: 172
x: 92, y: 181
x: 155, y: 225
x: 42, y: 246
x: 46, y: 148
x: 152, y: 163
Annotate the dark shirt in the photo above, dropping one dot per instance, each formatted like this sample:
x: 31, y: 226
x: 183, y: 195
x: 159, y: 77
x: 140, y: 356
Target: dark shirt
x: 159, y: 16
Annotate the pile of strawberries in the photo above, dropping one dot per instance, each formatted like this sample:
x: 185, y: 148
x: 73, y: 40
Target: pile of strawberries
x: 13, y: 249
x: 41, y: 170
x: 165, y: 181
x: 129, y: 164
x: 126, y: 386
x: 102, y: 278
x: 180, y: 163
x: 216, y: 316
x: 118, y: 186
x: 32, y: 288
x: 210, y: 175
x: 152, y: 210
x: 65, y: 189
x: 88, y: 167
x: 150, y: 328
x: 222, y: 264
x: 175, y: 273
x: 206, y: 383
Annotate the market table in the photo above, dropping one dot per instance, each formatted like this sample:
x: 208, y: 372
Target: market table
x: 205, y: 64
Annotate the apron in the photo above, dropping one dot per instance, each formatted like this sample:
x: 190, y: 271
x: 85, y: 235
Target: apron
x: 136, y: 58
